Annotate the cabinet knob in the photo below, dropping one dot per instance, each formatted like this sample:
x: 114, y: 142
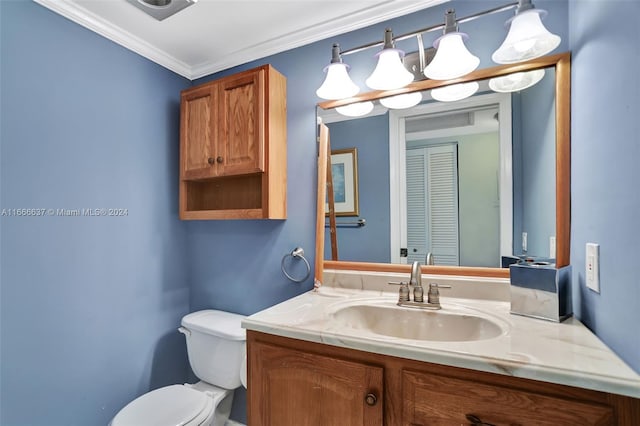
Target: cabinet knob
x: 210, y: 160
x: 219, y: 160
x: 371, y: 399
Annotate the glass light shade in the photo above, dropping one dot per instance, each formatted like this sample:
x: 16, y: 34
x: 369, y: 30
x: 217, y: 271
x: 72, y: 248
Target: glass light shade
x: 406, y: 100
x: 337, y: 84
x: 527, y: 39
x: 356, y: 110
x: 390, y: 72
x: 516, y: 81
x: 452, y: 59
x: 455, y: 92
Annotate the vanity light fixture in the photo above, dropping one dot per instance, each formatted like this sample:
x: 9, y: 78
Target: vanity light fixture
x: 337, y: 84
x: 516, y: 81
x: 455, y: 92
x: 527, y: 38
x: 390, y: 72
x: 452, y: 59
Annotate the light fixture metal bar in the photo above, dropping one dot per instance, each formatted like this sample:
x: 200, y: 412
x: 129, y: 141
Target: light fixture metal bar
x: 498, y: 9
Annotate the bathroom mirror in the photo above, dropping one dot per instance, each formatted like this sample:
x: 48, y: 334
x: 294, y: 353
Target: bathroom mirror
x: 507, y: 231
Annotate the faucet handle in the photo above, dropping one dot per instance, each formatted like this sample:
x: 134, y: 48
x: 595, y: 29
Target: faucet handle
x: 433, y: 296
x: 436, y: 285
x: 403, y: 292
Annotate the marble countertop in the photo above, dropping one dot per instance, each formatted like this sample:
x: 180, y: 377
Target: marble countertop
x: 565, y: 353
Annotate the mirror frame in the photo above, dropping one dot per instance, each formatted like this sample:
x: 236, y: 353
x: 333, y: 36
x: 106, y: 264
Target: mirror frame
x: 562, y: 64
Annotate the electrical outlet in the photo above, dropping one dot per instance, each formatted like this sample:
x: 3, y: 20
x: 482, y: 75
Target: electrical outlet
x: 524, y: 242
x: 593, y: 267
x: 552, y: 247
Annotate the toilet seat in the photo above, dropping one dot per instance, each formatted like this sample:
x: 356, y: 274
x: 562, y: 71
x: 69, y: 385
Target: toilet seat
x: 175, y: 405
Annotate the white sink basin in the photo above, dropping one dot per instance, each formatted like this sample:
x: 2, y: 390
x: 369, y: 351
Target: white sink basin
x: 446, y: 325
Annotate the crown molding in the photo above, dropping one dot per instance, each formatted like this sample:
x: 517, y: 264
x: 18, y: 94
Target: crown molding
x: 91, y: 21
x: 369, y: 16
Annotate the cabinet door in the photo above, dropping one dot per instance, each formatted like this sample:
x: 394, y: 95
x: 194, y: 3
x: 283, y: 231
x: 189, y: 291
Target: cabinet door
x: 431, y: 399
x: 199, y: 115
x: 243, y: 124
x: 293, y: 388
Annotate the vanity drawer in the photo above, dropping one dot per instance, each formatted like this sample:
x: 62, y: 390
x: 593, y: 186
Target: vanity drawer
x: 433, y: 399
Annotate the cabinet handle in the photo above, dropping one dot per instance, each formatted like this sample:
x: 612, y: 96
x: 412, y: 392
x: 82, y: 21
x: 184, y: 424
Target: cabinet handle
x: 219, y: 160
x: 371, y: 399
x: 210, y: 160
x: 475, y: 420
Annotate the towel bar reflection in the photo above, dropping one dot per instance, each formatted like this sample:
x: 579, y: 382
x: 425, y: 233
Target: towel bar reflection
x: 357, y: 223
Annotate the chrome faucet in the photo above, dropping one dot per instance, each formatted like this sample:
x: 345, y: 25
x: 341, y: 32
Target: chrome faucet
x: 429, y: 259
x: 416, y: 282
x: 433, y: 295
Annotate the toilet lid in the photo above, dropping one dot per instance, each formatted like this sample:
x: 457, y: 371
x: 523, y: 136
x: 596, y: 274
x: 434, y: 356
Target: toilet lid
x: 175, y: 405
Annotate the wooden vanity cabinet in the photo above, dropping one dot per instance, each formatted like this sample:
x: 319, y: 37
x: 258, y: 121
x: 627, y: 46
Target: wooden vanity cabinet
x: 290, y: 387
x: 233, y: 154
x: 434, y: 399
x: 294, y: 382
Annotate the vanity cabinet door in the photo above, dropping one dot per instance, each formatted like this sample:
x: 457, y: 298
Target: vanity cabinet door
x: 432, y: 399
x: 292, y: 388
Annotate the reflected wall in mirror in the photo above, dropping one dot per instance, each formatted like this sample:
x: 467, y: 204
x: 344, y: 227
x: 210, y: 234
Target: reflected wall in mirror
x: 507, y: 162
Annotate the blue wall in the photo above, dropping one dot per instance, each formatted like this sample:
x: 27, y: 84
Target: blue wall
x: 89, y: 305
x: 605, y: 177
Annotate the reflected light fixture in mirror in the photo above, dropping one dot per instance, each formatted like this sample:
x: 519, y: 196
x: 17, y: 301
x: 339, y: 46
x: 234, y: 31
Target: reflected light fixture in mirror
x: 390, y: 72
x: 455, y: 92
x: 452, y: 59
x: 516, y: 81
x: 356, y: 110
x: 527, y: 39
x: 406, y: 100
x: 337, y: 84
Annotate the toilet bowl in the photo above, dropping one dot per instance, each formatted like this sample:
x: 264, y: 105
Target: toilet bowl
x: 217, y: 355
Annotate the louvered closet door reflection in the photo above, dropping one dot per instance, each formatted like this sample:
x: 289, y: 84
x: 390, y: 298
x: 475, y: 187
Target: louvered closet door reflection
x: 432, y: 204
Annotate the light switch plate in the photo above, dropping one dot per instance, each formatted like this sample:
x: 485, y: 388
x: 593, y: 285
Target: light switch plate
x: 593, y: 267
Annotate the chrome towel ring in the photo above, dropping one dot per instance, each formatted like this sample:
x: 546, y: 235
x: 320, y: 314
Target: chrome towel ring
x: 298, y: 252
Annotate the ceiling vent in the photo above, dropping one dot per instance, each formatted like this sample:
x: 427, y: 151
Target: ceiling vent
x: 432, y: 122
x: 161, y: 9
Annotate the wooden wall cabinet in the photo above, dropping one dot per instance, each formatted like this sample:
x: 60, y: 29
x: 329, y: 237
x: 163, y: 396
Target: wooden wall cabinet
x: 294, y: 382
x: 233, y: 152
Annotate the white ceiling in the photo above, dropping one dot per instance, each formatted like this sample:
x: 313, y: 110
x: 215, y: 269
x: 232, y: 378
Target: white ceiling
x: 213, y: 35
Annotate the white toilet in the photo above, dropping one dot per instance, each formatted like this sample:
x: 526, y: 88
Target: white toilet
x: 216, y: 349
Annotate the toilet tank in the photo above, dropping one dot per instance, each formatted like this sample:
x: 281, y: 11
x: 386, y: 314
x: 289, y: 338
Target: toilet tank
x: 216, y: 346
